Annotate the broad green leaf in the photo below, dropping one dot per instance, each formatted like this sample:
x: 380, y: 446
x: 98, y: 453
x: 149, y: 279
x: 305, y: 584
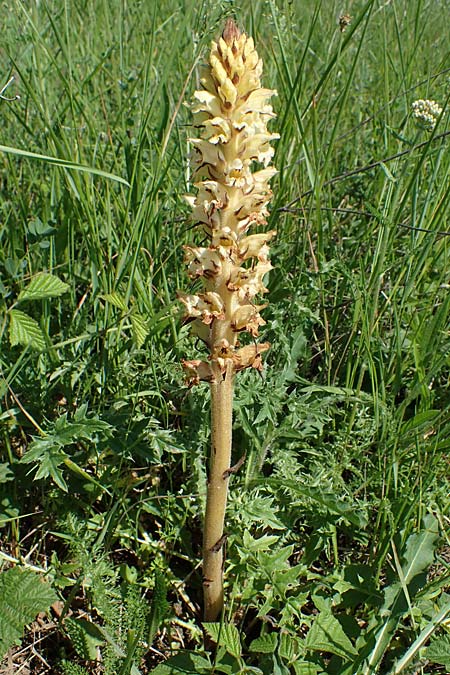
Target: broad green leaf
x: 420, y: 547
x: 44, y: 286
x: 358, y: 586
x: 265, y: 644
x: 23, y: 595
x: 8, y: 511
x: 327, y: 635
x: 439, y: 651
x: 190, y: 664
x: 23, y: 330
x: 139, y: 328
x: 225, y: 635
x: 277, y: 560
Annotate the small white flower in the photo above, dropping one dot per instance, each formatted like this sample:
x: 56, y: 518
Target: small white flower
x: 426, y: 113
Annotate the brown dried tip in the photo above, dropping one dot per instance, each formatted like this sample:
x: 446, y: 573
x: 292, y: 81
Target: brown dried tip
x: 231, y: 32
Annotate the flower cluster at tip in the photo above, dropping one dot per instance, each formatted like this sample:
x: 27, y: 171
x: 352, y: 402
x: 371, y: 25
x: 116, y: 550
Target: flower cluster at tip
x: 231, y: 113
x: 426, y: 113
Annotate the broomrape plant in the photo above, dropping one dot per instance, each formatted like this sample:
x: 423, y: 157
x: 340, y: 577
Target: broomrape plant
x: 231, y: 113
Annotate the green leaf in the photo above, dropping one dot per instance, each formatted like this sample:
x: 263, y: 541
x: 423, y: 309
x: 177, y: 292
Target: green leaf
x: 5, y: 473
x: 159, y: 606
x: 43, y: 286
x: 330, y: 501
x: 261, y: 544
x: 23, y: 595
x: 439, y: 651
x: 49, y: 452
x: 306, y: 668
x: 289, y: 648
x: 85, y: 637
x: 417, y: 558
x: 327, y: 635
x: 8, y: 511
x: 424, y: 636
x: 358, y: 586
x: 419, y: 552
x: 116, y: 300
x: 225, y: 635
x: 421, y: 421
x: 50, y: 456
x: 65, y: 163
x: 265, y: 644
x: 25, y: 331
x: 81, y: 427
x: 139, y: 328
x: 191, y: 664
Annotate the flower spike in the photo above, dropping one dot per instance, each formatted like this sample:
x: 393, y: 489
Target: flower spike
x: 230, y: 160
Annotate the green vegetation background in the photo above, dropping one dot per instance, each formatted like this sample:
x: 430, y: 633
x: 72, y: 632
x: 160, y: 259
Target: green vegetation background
x: 103, y: 448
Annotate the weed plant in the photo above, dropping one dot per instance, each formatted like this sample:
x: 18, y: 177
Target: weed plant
x: 338, y: 525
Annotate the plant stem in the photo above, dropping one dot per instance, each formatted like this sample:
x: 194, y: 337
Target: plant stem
x: 213, y: 544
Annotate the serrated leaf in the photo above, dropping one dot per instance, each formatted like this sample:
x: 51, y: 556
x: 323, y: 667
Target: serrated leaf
x: 139, y: 328
x: 327, y: 635
x: 116, y: 300
x: 439, y: 651
x: 190, y: 664
x: 159, y: 606
x: 43, y: 286
x: 85, y: 637
x: 23, y: 595
x: 289, y: 647
x: 261, y: 544
x: 225, y: 635
x: 23, y: 330
x: 50, y: 456
x: 265, y: 644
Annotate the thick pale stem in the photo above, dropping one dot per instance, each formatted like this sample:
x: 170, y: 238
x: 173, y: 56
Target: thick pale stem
x: 213, y: 541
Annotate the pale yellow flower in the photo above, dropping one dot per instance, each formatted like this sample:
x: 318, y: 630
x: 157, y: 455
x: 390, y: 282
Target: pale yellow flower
x: 231, y: 113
